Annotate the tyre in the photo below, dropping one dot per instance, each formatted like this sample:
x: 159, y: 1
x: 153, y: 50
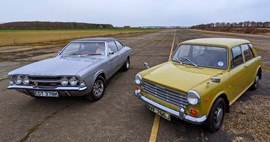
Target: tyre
x: 255, y: 84
x: 216, y: 116
x: 98, y: 89
x: 126, y: 65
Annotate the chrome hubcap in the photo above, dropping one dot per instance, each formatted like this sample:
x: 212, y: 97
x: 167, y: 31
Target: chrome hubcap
x: 218, y: 116
x: 98, y: 88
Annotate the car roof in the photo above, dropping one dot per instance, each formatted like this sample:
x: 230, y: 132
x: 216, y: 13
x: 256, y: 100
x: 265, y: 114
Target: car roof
x: 95, y: 39
x: 227, y: 42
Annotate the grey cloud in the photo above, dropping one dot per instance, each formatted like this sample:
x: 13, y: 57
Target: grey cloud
x: 136, y: 12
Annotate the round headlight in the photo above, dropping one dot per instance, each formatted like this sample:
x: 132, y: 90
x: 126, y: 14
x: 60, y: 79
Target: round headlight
x: 64, y: 81
x: 18, y: 79
x: 26, y: 80
x: 138, y: 79
x: 73, y: 81
x: 193, y: 97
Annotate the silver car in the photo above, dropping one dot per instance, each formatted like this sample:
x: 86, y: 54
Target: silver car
x: 80, y: 69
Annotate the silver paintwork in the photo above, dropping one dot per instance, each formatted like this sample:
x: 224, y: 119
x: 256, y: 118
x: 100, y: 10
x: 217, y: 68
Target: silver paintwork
x: 85, y: 68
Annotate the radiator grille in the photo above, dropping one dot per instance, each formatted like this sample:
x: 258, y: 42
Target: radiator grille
x: 165, y: 94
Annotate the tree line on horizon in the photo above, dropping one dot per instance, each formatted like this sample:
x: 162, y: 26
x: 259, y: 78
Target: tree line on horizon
x: 37, y: 25
x: 235, y: 25
x: 241, y: 27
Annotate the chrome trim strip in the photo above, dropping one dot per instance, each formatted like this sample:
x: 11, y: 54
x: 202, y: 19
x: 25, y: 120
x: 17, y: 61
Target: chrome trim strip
x: 47, y: 88
x: 45, y: 81
x: 176, y: 113
x: 195, y: 120
x: 179, y: 114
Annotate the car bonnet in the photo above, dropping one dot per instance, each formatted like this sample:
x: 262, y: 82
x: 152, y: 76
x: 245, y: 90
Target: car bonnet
x: 56, y: 66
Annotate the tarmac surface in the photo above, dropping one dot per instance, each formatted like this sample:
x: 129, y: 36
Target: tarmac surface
x: 118, y: 116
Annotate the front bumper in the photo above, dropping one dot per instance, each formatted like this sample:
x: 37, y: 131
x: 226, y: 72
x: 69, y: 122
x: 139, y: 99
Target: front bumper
x: 63, y: 91
x: 175, y: 113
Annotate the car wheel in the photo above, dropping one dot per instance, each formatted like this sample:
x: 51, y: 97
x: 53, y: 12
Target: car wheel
x: 216, y: 116
x: 256, y: 83
x: 126, y: 65
x: 98, y: 89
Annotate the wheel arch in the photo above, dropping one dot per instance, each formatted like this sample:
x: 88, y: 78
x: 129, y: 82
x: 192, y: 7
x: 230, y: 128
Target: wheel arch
x: 224, y: 96
x: 100, y: 73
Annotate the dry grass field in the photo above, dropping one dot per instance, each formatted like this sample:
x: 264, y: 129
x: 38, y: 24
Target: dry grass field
x: 40, y: 37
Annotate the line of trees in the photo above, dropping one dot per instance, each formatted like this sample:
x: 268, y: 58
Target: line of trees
x: 36, y: 25
x: 234, y: 25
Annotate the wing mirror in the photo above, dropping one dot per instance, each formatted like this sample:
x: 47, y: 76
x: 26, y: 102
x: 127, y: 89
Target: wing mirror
x: 146, y: 65
x: 111, y: 52
x: 215, y: 79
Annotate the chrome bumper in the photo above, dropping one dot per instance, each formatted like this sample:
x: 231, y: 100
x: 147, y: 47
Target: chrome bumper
x: 47, y: 88
x: 175, y: 113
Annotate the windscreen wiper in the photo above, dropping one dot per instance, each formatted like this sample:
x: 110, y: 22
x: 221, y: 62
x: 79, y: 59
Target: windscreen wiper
x: 191, y: 62
x: 177, y: 59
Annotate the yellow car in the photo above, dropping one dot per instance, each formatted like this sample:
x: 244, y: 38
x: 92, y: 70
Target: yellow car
x: 201, y: 81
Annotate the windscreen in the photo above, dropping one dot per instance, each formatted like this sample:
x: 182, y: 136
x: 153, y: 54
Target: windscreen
x: 84, y: 48
x: 202, y: 56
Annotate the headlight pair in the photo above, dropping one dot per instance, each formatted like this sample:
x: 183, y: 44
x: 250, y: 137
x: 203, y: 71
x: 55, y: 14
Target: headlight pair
x: 193, y: 97
x: 21, y: 80
x: 73, y: 81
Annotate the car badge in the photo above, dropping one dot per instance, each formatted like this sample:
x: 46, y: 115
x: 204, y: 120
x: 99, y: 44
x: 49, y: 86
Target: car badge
x: 36, y: 83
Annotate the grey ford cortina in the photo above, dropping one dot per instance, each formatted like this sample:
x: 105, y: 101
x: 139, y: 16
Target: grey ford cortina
x: 81, y: 68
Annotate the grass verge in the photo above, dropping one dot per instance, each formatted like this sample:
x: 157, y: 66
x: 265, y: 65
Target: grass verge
x: 48, y: 37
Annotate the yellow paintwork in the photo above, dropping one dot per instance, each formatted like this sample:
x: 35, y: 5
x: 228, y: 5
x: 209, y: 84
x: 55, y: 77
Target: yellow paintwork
x: 182, y: 78
x: 223, y: 42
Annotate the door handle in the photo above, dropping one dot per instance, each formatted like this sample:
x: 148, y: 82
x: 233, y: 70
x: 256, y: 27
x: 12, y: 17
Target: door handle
x: 245, y: 66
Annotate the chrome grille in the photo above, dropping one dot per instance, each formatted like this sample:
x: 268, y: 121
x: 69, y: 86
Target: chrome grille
x: 165, y: 94
x: 45, y: 81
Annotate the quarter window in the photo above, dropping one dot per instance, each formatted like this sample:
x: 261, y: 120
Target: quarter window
x: 237, y: 56
x: 248, y: 55
x: 112, y: 46
x: 119, y: 45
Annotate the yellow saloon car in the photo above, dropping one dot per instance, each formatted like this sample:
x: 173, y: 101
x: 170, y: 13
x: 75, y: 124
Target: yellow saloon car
x: 201, y: 80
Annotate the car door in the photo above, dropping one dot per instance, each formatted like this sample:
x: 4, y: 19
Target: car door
x: 113, y: 57
x: 122, y: 53
x: 250, y: 64
x: 238, y: 73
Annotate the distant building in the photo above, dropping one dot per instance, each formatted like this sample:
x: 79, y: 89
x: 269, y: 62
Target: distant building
x: 127, y: 27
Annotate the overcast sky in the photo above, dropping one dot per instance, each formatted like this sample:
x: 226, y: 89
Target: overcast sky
x: 136, y: 12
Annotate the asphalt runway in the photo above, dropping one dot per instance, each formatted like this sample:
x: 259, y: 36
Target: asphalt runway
x: 118, y: 116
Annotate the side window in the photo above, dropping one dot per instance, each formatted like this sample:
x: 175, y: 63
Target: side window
x: 237, y: 57
x: 248, y: 55
x: 112, y: 46
x: 119, y: 45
